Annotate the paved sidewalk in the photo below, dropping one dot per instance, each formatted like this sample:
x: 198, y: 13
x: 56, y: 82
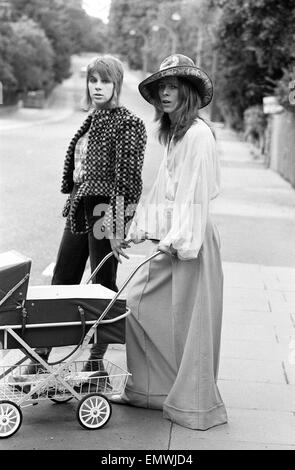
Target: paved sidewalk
x: 22, y: 118
x: 26, y: 118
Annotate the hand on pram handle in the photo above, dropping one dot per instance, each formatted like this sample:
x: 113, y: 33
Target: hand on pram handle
x: 117, y: 246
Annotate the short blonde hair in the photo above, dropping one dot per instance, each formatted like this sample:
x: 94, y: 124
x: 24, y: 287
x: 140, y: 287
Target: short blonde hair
x: 109, y: 68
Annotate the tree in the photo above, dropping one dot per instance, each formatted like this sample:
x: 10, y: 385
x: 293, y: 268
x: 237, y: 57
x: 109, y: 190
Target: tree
x: 254, y: 49
x: 69, y: 29
x: 84, y: 32
x: 53, y: 17
x: 32, y: 56
x: 7, y: 76
x: 26, y: 59
x: 128, y: 15
x: 181, y: 23
x: 95, y: 38
x: 37, y: 39
x: 285, y: 89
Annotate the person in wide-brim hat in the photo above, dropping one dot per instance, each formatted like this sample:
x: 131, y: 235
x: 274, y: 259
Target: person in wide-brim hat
x: 179, y: 65
x: 174, y: 327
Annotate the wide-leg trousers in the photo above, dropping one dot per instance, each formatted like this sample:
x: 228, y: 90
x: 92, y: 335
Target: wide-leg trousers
x: 173, y: 336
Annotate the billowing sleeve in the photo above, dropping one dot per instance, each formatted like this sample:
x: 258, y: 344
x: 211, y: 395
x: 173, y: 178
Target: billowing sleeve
x: 129, y: 157
x: 198, y: 183
x: 145, y: 222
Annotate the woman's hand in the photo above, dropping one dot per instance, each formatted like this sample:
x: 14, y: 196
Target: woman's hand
x: 169, y: 250
x: 138, y: 237
x: 117, y: 245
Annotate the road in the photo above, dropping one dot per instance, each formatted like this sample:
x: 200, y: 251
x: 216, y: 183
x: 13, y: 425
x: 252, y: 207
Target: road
x: 255, y: 212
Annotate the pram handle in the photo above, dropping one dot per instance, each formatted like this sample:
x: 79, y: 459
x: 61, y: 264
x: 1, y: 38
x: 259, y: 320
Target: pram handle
x: 89, y: 334
x: 99, y: 266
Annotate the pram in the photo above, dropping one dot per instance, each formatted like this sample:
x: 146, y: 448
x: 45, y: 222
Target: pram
x: 49, y: 316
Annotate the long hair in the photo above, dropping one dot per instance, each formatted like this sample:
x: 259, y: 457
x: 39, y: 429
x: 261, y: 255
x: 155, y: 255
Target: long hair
x: 186, y: 113
x: 110, y: 69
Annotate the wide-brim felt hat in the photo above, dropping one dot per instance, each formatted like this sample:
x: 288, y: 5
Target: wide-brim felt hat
x: 178, y: 65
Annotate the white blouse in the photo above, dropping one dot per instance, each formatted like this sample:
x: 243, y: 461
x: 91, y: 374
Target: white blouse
x: 177, y: 207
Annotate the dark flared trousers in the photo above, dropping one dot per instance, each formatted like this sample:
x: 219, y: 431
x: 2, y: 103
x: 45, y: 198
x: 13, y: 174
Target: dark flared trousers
x: 73, y: 254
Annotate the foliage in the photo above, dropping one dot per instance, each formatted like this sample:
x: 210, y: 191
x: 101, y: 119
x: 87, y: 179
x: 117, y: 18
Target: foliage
x: 253, y: 50
x: 285, y: 90
x: 95, y: 38
x: 26, y: 58
x: 181, y: 33
x: 195, y: 20
x: 51, y: 15
x: 37, y: 39
x: 124, y: 17
x: 32, y: 57
x: 128, y: 15
x: 6, y: 50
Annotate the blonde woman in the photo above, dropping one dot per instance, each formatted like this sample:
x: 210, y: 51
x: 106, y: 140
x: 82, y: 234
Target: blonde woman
x: 102, y: 171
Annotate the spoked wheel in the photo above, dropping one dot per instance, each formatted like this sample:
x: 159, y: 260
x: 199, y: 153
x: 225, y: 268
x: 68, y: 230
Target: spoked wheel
x: 10, y: 418
x: 94, y: 411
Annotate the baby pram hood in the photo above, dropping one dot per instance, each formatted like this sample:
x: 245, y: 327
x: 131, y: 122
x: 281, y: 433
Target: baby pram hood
x: 14, y: 279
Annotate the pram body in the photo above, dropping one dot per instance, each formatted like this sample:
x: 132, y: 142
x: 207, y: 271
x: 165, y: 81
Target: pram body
x: 54, y: 308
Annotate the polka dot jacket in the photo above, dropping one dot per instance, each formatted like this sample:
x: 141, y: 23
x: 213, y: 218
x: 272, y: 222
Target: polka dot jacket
x: 113, y: 167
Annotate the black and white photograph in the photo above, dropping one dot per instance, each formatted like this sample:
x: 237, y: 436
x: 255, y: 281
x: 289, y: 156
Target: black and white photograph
x: 147, y: 228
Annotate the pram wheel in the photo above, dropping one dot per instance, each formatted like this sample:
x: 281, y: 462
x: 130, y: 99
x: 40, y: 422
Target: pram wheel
x: 94, y: 411
x: 10, y: 418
